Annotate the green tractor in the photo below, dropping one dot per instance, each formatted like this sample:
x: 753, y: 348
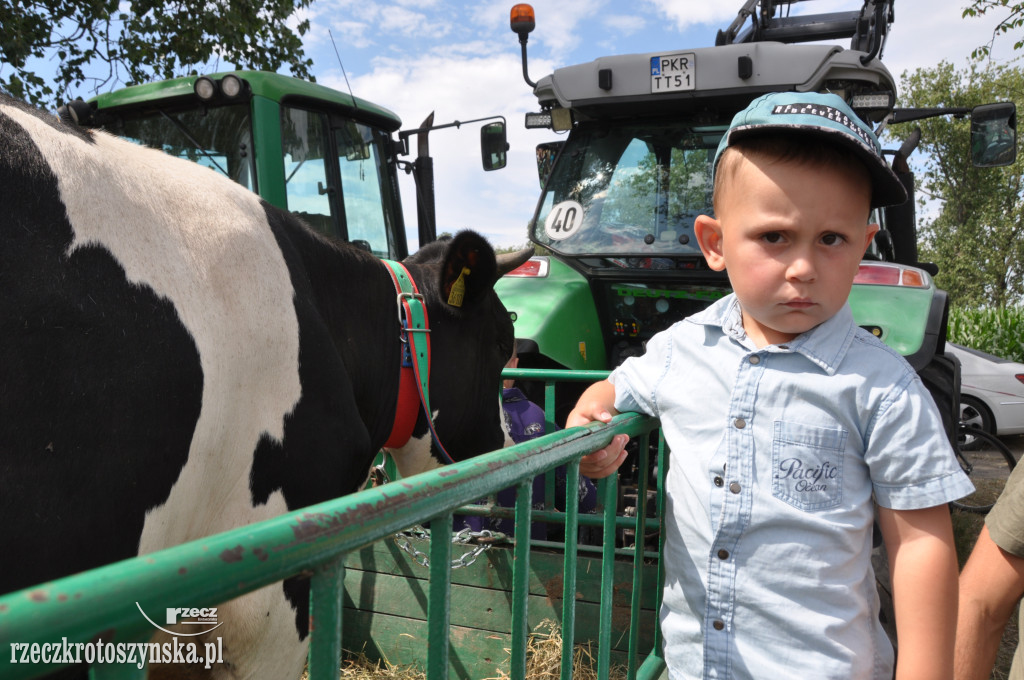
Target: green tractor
x: 327, y: 156
x: 619, y: 195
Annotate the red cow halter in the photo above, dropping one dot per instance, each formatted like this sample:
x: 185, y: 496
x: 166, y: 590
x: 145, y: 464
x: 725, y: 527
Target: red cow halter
x: 414, y: 380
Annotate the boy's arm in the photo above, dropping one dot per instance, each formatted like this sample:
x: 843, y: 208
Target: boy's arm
x: 923, y: 569
x: 598, y: 403
x: 991, y: 584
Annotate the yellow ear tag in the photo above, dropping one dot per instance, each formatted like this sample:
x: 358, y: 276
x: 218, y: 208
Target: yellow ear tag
x: 458, y: 291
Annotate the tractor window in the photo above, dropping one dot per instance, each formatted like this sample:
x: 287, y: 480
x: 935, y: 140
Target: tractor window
x: 336, y: 177
x: 362, y: 182
x: 626, y: 199
x: 305, y: 168
x: 628, y: 191
x: 218, y: 137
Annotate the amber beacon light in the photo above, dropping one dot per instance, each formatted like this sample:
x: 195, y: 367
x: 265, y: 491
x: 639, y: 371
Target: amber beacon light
x: 522, y: 20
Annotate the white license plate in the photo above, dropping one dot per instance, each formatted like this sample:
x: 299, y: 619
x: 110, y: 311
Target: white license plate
x: 673, y: 72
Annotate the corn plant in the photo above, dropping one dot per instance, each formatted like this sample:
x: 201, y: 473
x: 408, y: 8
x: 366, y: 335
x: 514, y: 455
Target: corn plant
x: 996, y: 331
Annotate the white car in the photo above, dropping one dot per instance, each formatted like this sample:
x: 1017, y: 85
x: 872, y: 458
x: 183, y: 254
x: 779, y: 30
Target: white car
x: 991, y: 391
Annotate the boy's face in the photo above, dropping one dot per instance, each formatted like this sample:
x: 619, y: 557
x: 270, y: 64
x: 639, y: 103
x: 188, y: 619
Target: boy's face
x: 791, y: 237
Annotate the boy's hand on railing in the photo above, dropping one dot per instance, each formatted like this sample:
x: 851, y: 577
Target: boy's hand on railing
x: 597, y: 404
x: 606, y: 461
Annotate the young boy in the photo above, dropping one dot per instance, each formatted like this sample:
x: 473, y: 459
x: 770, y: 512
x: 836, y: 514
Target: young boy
x: 786, y: 420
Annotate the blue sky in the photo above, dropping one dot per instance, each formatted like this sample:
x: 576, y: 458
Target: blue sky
x: 460, y: 59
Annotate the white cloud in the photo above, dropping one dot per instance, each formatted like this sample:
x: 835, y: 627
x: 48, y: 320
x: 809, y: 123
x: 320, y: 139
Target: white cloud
x: 686, y: 15
x: 926, y: 32
x: 329, y: 12
x: 350, y: 35
x: 352, y: 25
x: 622, y: 24
x: 404, y: 22
x: 492, y: 15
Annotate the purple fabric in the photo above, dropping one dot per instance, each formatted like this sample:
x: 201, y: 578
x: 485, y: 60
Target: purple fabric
x: 526, y: 422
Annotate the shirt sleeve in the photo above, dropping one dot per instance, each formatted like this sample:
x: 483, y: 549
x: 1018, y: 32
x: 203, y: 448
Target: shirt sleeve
x: 637, y: 379
x: 911, y: 460
x: 1005, y: 522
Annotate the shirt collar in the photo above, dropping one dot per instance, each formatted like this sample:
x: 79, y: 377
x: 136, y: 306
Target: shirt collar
x: 825, y: 345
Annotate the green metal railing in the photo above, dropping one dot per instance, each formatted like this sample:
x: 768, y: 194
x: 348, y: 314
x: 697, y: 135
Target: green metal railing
x: 105, y: 603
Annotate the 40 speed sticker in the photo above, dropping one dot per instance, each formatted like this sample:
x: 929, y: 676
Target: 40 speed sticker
x: 564, y: 220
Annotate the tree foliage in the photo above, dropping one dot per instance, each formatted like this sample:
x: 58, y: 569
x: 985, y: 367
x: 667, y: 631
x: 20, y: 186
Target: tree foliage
x: 971, y: 220
x: 98, y: 43
x: 1012, y: 22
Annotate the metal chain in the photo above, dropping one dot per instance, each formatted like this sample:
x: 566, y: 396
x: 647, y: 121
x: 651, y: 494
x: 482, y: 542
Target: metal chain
x: 482, y: 540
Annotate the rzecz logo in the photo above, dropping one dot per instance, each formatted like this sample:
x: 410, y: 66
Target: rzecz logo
x: 205, y: 617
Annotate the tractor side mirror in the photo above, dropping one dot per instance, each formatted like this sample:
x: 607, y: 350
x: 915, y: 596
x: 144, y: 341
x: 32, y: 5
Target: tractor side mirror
x: 994, y: 135
x: 494, y: 145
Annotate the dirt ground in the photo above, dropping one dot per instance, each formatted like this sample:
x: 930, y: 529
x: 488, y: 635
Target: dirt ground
x: 1015, y: 443
x: 991, y: 465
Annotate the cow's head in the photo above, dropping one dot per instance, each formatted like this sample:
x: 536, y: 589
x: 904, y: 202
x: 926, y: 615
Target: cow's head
x: 471, y: 340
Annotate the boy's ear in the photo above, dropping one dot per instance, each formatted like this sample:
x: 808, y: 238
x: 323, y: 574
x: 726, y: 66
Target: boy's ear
x: 871, y: 231
x: 708, y: 231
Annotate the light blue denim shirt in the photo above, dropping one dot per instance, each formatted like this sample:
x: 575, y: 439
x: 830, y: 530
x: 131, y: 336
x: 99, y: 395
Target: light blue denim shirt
x: 776, y: 454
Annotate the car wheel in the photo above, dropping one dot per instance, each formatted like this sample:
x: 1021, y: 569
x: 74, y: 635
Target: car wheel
x: 975, y: 414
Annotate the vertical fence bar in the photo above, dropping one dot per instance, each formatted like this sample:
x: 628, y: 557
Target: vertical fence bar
x: 549, y: 401
x: 639, y: 546
x: 608, y: 493
x: 521, y: 579
x: 550, y: 490
x: 663, y: 461
x: 439, y: 599
x: 654, y: 666
x: 572, y: 516
x: 327, y: 588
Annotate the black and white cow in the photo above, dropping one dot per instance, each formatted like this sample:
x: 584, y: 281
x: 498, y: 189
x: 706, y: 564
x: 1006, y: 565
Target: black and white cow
x: 180, y: 358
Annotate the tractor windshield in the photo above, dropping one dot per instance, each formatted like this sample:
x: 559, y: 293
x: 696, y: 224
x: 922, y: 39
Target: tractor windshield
x: 629, y: 194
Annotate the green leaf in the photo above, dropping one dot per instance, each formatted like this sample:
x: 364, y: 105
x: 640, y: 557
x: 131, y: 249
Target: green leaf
x: 152, y: 40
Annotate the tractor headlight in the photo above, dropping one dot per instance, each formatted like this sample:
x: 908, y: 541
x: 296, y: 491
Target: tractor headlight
x: 205, y: 88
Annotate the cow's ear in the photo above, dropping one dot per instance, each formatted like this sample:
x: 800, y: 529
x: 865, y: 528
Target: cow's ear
x: 469, y: 270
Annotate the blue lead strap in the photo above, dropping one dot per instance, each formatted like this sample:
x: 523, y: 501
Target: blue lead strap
x: 415, y: 336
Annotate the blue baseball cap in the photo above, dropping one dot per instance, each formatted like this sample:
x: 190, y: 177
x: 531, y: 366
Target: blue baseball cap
x: 825, y: 116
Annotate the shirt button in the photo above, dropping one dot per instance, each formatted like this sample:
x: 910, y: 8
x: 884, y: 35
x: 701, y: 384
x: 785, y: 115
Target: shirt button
x: 719, y: 481
x: 723, y: 554
x: 719, y: 625
x: 734, y: 487
x: 754, y: 359
x: 739, y: 423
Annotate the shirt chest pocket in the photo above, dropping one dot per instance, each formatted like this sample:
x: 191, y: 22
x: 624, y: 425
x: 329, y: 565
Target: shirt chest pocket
x: 807, y: 465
